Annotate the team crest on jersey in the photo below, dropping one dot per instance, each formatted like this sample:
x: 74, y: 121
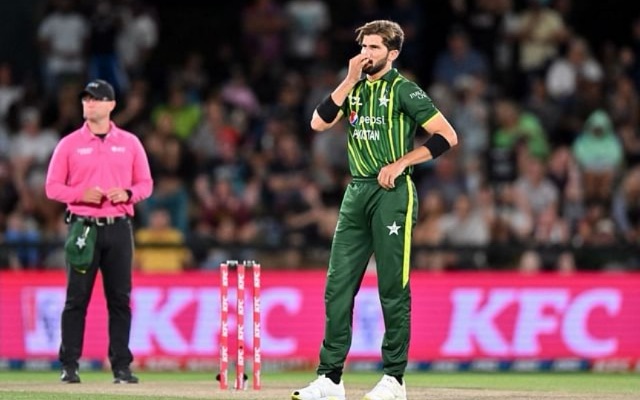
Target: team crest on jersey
x: 353, y: 118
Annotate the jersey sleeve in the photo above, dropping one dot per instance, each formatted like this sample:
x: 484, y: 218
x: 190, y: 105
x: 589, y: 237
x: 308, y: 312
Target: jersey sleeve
x: 416, y: 103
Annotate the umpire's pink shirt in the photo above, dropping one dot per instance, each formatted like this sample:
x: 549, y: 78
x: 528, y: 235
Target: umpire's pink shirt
x: 81, y: 160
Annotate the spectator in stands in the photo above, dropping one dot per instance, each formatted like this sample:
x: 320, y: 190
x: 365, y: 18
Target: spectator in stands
x: 566, y: 74
x: 464, y: 226
x: 218, y: 201
x: 518, y: 130
x: 308, y: 20
x: 22, y: 232
x: 62, y: 36
x: 428, y: 232
x: 137, y: 37
x: 566, y: 263
x: 31, y: 148
x: 550, y: 229
x: 161, y: 247
x: 173, y: 171
x: 264, y: 24
x: 595, y: 227
x: 447, y: 177
x: 104, y: 60
x: 213, y: 133
x: 302, y: 221
x: 513, y: 208
x: 540, y: 32
x: 598, y: 151
x: 286, y: 175
x: 185, y: 115
x: 471, y: 116
x: 237, y: 92
x: 459, y: 60
x: 536, y: 187
x: 530, y: 262
x: 562, y: 171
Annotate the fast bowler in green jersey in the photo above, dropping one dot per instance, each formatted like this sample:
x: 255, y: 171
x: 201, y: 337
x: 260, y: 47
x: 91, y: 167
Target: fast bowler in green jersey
x: 384, y: 109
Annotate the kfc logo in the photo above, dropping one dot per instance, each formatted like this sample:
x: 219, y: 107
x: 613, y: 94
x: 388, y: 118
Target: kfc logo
x: 475, y: 328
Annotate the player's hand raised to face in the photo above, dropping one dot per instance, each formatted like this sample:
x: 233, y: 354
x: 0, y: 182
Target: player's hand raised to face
x: 355, y: 67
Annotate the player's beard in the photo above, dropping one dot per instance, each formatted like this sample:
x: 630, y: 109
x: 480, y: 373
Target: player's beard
x: 372, y: 69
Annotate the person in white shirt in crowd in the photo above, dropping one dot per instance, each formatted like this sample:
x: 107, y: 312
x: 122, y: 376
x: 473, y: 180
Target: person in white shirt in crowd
x: 62, y: 36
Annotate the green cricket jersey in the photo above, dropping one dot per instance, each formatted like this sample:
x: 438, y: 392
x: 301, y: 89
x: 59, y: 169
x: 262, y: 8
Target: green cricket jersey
x: 383, y: 117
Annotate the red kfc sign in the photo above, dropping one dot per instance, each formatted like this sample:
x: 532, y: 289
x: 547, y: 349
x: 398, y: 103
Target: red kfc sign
x: 455, y: 316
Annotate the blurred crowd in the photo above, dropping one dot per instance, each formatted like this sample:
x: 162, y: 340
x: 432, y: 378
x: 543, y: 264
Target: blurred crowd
x: 546, y: 176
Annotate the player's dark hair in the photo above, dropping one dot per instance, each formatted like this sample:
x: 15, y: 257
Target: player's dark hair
x: 391, y: 33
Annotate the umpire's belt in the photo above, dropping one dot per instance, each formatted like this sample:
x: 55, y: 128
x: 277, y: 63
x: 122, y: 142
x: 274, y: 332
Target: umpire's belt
x: 99, y: 221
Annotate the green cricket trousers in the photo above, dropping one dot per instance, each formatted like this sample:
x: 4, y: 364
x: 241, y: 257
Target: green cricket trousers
x: 379, y: 221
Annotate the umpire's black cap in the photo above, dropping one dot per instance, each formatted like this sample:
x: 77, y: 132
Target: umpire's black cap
x: 99, y: 89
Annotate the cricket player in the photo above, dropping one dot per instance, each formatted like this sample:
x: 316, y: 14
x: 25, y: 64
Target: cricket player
x: 379, y: 208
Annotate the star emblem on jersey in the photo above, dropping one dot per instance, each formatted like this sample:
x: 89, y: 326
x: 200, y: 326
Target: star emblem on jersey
x: 383, y: 100
x: 81, y: 242
x: 393, y: 228
x: 354, y: 101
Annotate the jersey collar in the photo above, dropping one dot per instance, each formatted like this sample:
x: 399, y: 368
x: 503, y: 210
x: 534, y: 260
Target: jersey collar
x: 113, y: 131
x: 390, y: 75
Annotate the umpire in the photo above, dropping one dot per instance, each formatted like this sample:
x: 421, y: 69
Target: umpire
x: 99, y: 171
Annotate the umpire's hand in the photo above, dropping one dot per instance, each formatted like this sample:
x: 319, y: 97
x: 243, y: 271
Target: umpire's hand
x: 117, y: 195
x: 92, y: 195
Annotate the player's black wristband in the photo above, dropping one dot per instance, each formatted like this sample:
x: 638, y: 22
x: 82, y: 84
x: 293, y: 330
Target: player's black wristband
x: 437, y: 145
x: 129, y: 194
x: 328, y: 109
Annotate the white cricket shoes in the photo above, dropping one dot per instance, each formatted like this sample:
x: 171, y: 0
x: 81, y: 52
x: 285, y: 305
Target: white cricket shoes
x: 322, y: 388
x: 387, y: 389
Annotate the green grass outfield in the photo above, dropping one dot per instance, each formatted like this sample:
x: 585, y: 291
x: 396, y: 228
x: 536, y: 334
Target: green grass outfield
x: 18, y: 385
